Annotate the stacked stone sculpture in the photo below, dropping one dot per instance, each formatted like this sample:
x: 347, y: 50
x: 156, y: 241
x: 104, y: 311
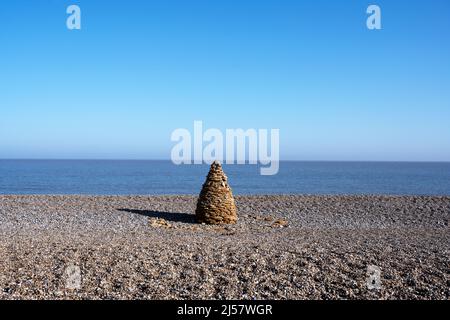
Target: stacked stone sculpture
x: 216, y: 204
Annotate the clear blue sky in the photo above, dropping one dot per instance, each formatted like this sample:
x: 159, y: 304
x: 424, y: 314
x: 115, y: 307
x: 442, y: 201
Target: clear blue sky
x: 140, y: 69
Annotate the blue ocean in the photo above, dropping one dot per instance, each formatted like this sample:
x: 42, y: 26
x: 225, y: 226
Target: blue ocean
x: 109, y: 177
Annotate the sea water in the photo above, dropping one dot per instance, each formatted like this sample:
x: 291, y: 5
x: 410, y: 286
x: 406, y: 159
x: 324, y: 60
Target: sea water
x: 110, y: 177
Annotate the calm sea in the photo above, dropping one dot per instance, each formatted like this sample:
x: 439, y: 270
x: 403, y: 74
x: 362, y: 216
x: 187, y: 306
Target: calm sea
x: 101, y: 177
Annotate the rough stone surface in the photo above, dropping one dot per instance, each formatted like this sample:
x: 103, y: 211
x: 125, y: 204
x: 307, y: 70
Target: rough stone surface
x: 141, y: 247
x: 216, y: 204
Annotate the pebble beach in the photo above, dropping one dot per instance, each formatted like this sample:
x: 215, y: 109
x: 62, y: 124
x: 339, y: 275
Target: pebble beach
x: 282, y: 247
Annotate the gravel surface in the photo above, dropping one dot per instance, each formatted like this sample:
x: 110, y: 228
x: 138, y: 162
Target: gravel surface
x: 283, y: 247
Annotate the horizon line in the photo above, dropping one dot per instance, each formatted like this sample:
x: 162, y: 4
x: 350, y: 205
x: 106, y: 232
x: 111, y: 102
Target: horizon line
x: 155, y: 159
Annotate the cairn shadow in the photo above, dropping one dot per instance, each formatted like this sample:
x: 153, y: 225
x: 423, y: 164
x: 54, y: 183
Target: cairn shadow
x: 169, y: 216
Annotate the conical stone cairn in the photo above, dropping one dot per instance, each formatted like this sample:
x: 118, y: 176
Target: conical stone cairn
x: 215, y: 204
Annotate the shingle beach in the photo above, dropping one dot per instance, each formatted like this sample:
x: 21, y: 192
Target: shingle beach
x: 282, y: 247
